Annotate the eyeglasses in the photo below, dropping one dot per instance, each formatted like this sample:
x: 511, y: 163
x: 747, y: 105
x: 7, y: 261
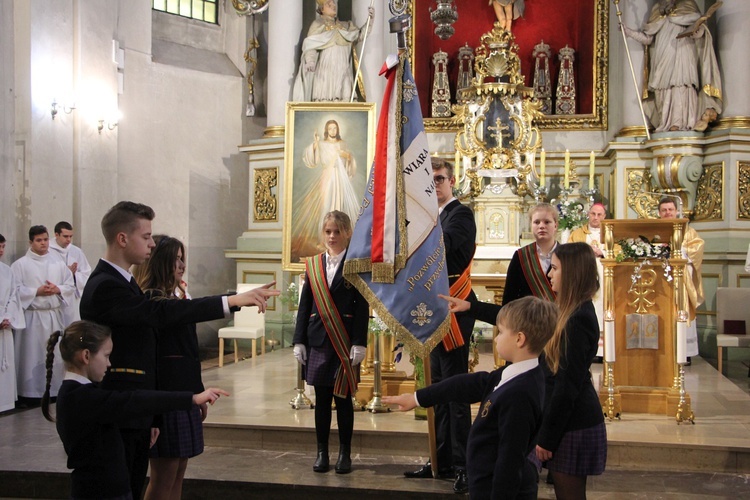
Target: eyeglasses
x: 439, y: 179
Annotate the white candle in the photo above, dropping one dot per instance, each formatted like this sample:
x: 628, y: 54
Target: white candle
x: 609, y: 341
x: 542, y: 167
x: 566, y: 167
x: 458, y: 160
x: 592, y: 164
x: 681, y: 342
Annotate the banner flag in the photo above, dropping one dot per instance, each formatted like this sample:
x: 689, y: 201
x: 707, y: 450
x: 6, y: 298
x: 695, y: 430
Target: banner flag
x: 396, y: 257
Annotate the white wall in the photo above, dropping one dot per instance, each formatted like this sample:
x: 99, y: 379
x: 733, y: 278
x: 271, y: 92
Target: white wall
x: 175, y: 147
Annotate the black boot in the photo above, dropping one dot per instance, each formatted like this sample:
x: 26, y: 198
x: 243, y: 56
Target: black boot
x: 344, y: 463
x: 321, y: 463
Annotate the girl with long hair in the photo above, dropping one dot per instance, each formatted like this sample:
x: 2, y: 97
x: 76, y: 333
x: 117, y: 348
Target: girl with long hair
x: 178, y: 369
x: 573, y: 440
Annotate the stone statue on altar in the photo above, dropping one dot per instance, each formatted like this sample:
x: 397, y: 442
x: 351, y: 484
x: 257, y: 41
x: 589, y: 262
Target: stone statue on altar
x: 507, y: 11
x: 326, y: 70
x: 682, y: 87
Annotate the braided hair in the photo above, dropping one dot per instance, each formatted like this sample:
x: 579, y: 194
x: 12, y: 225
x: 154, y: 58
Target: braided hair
x: 78, y: 336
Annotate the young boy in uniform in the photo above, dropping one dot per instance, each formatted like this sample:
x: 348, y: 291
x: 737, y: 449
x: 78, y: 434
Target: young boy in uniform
x: 512, y: 401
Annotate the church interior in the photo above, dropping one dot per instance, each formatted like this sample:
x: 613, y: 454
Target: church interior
x: 196, y: 109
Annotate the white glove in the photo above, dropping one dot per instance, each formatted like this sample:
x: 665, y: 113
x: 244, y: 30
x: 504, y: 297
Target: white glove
x: 300, y: 353
x: 357, y: 354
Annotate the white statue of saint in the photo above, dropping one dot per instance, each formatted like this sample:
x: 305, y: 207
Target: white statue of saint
x: 683, y: 83
x: 326, y: 70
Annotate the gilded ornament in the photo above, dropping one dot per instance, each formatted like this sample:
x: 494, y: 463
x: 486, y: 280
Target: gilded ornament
x: 709, y: 199
x: 264, y: 200
x: 743, y: 190
x: 596, y: 120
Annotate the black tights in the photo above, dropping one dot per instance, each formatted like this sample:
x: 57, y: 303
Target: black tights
x: 569, y: 487
x: 344, y: 416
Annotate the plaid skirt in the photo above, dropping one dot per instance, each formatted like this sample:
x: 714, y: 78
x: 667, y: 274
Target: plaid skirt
x: 180, y: 435
x: 322, y: 366
x: 581, y: 453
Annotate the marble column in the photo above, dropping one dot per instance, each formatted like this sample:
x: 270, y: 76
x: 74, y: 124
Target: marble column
x: 284, y: 29
x: 633, y: 14
x: 373, y: 56
x: 733, y: 38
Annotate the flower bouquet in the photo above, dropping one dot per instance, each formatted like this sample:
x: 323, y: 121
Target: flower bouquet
x: 641, y: 249
x: 572, y: 214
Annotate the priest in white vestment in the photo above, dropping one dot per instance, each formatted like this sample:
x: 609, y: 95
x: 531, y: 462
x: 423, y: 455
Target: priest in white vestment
x: 74, y: 258
x: 692, y: 251
x: 11, y: 316
x: 45, y: 284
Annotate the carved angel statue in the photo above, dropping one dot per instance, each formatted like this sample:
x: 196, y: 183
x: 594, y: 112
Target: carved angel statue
x: 507, y: 11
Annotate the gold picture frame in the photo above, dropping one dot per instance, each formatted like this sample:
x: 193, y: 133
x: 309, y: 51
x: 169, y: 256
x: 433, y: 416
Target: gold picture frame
x: 596, y: 120
x: 323, y: 173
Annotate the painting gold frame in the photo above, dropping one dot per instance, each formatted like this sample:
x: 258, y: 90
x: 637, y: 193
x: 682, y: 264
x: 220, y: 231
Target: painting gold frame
x: 307, y: 186
x: 597, y: 120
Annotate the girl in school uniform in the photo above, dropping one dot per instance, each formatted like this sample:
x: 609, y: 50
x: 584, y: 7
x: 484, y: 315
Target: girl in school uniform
x: 87, y: 416
x: 178, y: 369
x: 572, y: 443
x: 332, y: 326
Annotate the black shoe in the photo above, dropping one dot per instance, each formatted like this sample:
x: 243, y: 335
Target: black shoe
x: 321, y: 462
x: 689, y: 361
x: 461, y: 484
x: 426, y: 472
x: 344, y: 463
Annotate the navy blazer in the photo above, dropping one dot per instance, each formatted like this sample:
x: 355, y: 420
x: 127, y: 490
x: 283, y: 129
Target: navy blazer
x: 87, y: 419
x: 504, y: 431
x: 572, y: 402
x: 109, y: 299
x: 353, y: 308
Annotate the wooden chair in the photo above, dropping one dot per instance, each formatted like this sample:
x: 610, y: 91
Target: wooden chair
x: 248, y: 324
x: 731, y: 304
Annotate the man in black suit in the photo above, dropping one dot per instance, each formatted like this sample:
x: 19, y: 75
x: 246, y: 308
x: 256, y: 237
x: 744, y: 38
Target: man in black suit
x: 112, y: 298
x: 451, y: 357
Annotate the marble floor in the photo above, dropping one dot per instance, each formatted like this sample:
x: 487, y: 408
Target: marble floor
x: 254, y: 439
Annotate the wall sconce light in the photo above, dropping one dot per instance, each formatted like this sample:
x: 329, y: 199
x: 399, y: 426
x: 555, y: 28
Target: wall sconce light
x: 57, y: 106
x: 111, y: 123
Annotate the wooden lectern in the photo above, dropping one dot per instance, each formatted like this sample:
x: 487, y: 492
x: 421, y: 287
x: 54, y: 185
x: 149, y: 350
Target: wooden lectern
x: 644, y: 380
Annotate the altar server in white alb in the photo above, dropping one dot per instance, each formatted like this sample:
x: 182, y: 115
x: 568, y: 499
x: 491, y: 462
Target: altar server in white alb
x: 76, y: 261
x: 11, y: 316
x: 45, y: 284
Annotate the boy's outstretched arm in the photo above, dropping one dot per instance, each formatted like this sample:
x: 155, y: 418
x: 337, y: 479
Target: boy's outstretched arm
x: 405, y: 402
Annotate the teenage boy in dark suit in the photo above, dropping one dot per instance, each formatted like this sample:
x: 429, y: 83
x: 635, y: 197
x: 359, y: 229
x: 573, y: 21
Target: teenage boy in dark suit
x: 112, y: 298
x: 512, y: 401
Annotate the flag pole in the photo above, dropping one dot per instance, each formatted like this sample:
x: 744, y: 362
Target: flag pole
x: 361, y: 55
x: 632, y: 71
x: 430, y: 418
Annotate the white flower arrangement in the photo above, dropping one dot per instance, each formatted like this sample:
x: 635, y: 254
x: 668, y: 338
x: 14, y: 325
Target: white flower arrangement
x: 571, y: 214
x: 640, y: 249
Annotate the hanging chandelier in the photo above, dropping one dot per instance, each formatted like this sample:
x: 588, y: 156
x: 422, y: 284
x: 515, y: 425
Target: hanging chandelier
x: 444, y: 16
